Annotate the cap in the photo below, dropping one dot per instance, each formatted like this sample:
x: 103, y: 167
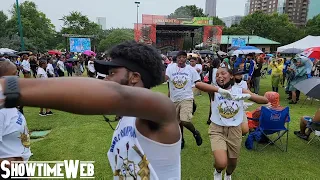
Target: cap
x: 182, y: 53
x: 237, y: 71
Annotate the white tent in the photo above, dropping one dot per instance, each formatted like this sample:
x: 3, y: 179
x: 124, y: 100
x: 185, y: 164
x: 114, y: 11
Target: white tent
x: 302, y: 44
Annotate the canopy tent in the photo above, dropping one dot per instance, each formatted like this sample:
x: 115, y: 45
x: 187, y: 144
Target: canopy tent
x: 302, y: 44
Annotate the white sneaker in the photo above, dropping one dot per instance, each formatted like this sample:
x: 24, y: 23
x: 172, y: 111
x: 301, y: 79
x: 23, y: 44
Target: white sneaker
x: 226, y: 177
x: 217, y: 176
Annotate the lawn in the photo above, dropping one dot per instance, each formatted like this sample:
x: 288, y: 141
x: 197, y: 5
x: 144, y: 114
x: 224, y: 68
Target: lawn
x: 88, y: 138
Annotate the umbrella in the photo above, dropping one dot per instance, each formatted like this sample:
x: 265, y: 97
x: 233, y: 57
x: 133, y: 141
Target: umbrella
x: 247, y: 51
x: 221, y: 53
x: 310, y: 87
x: 206, y: 52
x: 54, y: 52
x: 11, y: 55
x: 173, y: 53
x: 6, y: 51
x: 313, y: 52
x: 89, y: 53
x: 270, y: 55
x: 291, y: 51
x: 24, y: 52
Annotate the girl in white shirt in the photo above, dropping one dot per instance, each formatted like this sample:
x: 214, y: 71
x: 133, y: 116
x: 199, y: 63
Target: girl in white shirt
x: 14, y: 134
x: 226, y: 118
x: 26, y: 68
x: 41, y: 73
x: 50, y: 69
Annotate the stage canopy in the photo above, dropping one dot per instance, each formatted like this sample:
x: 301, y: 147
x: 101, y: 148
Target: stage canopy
x: 302, y: 44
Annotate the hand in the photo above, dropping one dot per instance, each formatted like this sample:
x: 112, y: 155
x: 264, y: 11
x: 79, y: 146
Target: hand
x: 225, y: 93
x: 240, y: 97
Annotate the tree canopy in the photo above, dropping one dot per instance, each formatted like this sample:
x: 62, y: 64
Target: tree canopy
x: 313, y: 26
x: 188, y: 11
x: 116, y: 36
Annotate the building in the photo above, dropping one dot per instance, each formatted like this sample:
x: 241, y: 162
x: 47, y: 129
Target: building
x: 314, y: 8
x: 264, y: 44
x: 102, y: 22
x: 247, y: 8
x: 231, y: 20
x: 297, y: 10
x: 211, y: 7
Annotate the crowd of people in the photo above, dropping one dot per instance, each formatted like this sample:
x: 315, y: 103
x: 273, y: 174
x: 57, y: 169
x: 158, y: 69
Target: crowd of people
x: 146, y: 139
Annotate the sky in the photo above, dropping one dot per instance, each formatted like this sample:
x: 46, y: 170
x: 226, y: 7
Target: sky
x: 122, y: 13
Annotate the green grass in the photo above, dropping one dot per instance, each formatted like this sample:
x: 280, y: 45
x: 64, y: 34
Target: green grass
x: 88, y: 138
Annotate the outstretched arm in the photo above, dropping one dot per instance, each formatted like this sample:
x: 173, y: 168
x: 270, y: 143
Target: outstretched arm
x: 256, y: 98
x: 89, y: 96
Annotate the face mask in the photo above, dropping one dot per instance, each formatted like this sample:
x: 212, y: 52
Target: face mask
x: 225, y: 86
x: 238, y: 80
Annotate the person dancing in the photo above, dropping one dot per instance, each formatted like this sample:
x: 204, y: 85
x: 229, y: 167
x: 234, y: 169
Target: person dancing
x: 227, y: 115
x: 148, y: 134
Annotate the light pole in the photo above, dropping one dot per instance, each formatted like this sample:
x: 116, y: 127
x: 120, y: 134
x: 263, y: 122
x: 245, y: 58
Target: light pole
x: 137, y: 3
x: 20, y: 26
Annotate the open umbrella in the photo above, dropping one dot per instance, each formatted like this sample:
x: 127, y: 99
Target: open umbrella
x: 24, y: 52
x: 247, y: 50
x: 313, y: 52
x: 291, y: 51
x: 54, y: 52
x: 6, y: 50
x: 310, y: 87
x: 72, y: 60
x: 89, y: 53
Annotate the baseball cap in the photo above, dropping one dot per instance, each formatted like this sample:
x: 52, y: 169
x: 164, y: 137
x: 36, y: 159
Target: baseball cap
x: 237, y: 71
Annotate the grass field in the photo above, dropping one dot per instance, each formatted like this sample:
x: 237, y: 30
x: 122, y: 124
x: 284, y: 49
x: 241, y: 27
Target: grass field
x: 88, y: 138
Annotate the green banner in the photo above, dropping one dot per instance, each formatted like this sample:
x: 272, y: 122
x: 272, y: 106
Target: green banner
x: 199, y: 21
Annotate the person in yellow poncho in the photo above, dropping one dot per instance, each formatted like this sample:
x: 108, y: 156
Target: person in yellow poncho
x: 277, y: 67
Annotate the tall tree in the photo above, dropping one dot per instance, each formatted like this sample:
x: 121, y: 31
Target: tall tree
x: 3, y: 24
x: 188, y: 11
x: 36, y: 26
x: 313, y: 26
x: 116, y: 36
x: 77, y: 23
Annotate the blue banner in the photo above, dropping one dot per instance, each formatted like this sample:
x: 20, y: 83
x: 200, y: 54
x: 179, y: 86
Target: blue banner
x: 80, y: 44
x: 238, y: 42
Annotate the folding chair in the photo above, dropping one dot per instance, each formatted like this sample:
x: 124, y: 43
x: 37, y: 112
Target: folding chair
x: 314, y: 127
x: 274, y: 122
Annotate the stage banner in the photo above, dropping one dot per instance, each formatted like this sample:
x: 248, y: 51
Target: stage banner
x: 160, y: 20
x: 239, y: 42
x: 79, y: 44
x: 145, y: 33
x: 212, y: 35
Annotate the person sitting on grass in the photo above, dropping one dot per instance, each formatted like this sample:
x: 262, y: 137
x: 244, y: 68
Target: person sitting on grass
x: 274, y: 104
x: 304, y: 121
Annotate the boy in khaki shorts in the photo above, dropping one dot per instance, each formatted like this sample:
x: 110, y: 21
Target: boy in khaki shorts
x: 181, y: 77
x: 226, y: 117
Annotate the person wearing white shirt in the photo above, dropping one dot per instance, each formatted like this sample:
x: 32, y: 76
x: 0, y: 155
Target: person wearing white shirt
x: 26, y: 68
x: 91, y: 69
x: 181, y: 79
x: 14, y: 134
x: 195, y: 66
x: 60, y: 66
x: 50, y: 69
x: 42, y: 74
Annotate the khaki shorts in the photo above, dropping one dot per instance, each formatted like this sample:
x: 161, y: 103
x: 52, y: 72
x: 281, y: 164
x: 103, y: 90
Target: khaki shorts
x: 226, y: 138
x: 184, y: 110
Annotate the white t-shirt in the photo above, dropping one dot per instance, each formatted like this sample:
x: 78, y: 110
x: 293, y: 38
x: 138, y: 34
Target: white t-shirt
x: 26, y: 65
x: 181, y: 81
x: 214, y: 76
x: 60, y: 65
x: 134, y: 156
x: 41, y: 73
x: 199, y: 66
x: 227, y: 112
x: 14, y: 134
x: 243, y: 84
x: 50, y: 69
x: 91, y: 66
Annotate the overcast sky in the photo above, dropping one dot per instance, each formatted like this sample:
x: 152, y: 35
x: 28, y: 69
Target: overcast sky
x: 122, y: 13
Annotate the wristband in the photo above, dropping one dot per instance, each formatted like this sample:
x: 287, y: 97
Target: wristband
x: 11, y: 91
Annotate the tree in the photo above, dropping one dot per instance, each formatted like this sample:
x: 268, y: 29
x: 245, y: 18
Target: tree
x: 235, y: 30
x: 313, y: 26
x: 76, y: 23
x: 115, y: 37
x: 13, y: 42
x: 3, y: 24
x: 188, y: 11
x: 36, y: 26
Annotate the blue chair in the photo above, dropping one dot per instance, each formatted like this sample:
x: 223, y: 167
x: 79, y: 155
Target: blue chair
x: 274, y: 122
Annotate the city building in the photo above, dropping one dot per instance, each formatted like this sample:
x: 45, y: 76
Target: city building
x: 211, y: 7
x: 102, y: 22
x: 297, y: 10
x: 247, y: 8
x: 314, y: 8
x: 231, y: 20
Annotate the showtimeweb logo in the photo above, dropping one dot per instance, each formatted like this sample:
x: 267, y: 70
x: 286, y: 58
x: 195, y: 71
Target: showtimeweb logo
x: 48, y: 169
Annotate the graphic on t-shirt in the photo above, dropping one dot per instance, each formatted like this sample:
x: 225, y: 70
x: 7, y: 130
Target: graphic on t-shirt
x: 129, y: 170
x: 228, y: 110
x: 25, y: 138
x: 179, y: 82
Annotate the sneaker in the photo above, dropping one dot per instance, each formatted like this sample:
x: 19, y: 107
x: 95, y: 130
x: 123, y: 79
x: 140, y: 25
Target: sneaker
x: 197, y: 137
x: 302, y: 136
x: 227, y: 177
x: 217, y: 176
x: 49, y: 113
x: 42, y: 114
